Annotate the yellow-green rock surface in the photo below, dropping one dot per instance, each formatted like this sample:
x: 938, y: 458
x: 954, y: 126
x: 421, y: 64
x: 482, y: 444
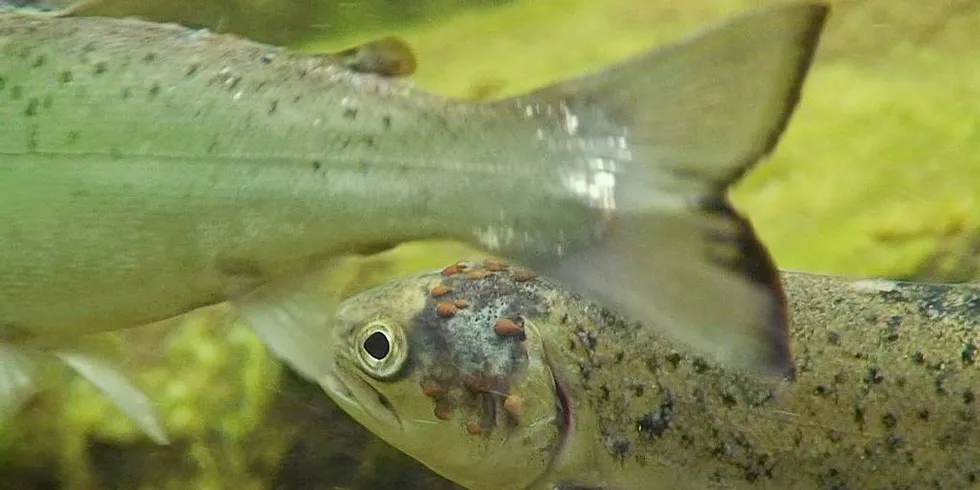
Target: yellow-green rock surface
x: 879, y: 174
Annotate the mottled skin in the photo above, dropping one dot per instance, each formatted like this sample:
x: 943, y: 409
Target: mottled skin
x: 883, y: 395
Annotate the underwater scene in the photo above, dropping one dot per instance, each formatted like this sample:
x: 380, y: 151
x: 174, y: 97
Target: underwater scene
x: 446, y: 286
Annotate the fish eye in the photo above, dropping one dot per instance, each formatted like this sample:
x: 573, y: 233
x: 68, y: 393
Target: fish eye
x: 377, y: 345
x: 382, y: 349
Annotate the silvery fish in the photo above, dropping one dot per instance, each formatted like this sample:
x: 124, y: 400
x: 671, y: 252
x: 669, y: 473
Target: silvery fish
x: 147, y: 170
x: 495, y: 378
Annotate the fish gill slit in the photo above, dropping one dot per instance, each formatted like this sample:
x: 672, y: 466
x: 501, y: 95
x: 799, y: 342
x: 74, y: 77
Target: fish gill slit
x: 563, y: 409
x: 383, y: 400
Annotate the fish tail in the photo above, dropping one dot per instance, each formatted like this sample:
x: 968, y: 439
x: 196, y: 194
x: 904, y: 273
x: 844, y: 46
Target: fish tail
x: 20, y: 370
x: 671, y: 131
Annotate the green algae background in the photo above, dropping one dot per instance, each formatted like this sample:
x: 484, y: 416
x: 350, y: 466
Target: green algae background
x: 878, y: 175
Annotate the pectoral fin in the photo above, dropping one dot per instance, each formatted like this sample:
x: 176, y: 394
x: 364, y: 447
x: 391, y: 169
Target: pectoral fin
x: 19, y: 372
x: 18, y: 380
x: 108, y: 378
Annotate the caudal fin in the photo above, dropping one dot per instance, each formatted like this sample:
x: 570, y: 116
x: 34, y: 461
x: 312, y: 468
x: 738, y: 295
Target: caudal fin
x: 687, y: 121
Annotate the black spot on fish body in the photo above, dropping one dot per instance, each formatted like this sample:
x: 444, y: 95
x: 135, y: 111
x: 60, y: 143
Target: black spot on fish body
x: 32, y: 139
x: 65, y: 77
x: 969, y: 354
x: 149, y: 57
x: 728, y: 398
x: 890, y: 420
x: 859, y: 415
x: 100, y: 68
x: 875, y: 376
x: 918, y: 358
x: 32, y: 107
x: 317, y: 165
x: 154, y: 89
x: 893, y: 295
x: 39, y: 61
x: 617, y: 444
x: 699, y: 365
x: 350, y: 113
x: 604, y: 393
x: 386, y: 121
x: 637, y: 390
x: 657, y: 421
x: 72, y: 137
x: 126, y: 93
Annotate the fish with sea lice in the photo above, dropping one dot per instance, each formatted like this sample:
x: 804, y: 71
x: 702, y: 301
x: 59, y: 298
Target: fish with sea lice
x: 496, y: 378
x: 147, y: 170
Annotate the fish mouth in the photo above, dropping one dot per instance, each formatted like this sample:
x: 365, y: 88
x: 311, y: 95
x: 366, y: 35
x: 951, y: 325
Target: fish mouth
x: 358, y: 397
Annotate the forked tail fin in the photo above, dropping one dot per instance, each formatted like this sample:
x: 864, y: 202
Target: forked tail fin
x: 694, y: 117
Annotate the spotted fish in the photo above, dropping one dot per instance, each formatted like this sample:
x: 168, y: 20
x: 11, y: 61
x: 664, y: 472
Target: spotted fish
x: 148, y: 169
x: 496, y: 378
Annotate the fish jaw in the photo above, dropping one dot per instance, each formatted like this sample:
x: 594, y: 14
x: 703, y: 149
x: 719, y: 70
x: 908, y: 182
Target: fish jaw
x: 359, y: 399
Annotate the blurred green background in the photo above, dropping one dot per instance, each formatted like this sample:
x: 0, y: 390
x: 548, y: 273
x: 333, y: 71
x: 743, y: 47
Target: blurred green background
x: 878, y: 175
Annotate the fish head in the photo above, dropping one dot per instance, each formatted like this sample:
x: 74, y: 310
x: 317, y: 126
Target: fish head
x: 440, y: 368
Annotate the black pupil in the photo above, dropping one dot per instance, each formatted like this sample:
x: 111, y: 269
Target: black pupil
x: 377, y: 345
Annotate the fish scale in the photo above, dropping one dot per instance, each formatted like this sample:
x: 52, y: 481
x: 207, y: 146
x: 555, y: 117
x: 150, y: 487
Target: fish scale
x: 148, y: 169
x: 882, y: 393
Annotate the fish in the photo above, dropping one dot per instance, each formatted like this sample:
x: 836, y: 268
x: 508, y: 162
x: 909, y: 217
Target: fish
x: 148, y: 169
x: 496, y: 377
